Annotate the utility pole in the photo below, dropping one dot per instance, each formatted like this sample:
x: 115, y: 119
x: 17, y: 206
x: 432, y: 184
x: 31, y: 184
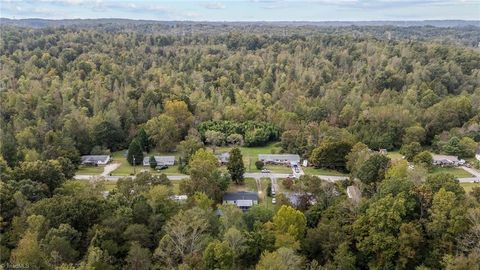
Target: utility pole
x: 134, y: 165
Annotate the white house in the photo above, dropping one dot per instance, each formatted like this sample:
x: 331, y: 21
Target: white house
x: 444, y: 160
x: 161, y: 160
x: 243, y: 200
x: 289, y: 159
x: 95, y: 160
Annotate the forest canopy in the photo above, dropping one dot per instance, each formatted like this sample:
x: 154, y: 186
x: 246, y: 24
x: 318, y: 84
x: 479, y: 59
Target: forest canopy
x: 334, y: 95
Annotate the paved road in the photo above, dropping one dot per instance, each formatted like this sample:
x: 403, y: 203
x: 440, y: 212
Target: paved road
x: 256, y: 176
x: 180, y: 177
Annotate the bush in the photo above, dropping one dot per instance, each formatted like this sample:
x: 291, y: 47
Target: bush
x: 424, y: 159
x: 259, y: 164
x: 288, y: 183
x: 410, y: 150
x: 269, y: 189
x: 153, y: 162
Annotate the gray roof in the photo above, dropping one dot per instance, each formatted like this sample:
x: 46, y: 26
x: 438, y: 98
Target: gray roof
x: 160, y: 159
x: 95, y: 158
x: 242, y: 195
x: 445, y: 157
x: 289, y: 157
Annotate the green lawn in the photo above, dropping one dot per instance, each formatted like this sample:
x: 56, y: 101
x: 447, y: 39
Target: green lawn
x: 457, y: 172
x: 250, y: 155
x: 127, y: 169
x: 321, y: 171
x: 469, y: 186
x: 107, y: 185
x: 248, y: 185
x: 93, y: 170
x: 394, y: 155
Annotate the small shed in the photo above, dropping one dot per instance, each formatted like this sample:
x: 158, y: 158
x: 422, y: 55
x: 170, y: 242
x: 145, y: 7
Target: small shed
x: 223, y: 158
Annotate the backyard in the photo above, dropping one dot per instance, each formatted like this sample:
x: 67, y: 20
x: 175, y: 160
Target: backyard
x: 90, y: 170
x: 469, y: 186
x: 457, y: 172
x: 126, y: 169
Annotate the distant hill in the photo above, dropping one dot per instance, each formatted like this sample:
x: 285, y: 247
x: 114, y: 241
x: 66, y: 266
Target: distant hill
x: 41, y: 23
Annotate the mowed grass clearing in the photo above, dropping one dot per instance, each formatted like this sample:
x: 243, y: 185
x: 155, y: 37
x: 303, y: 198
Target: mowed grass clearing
x: 250, y: 155
x: 249, y: 185
x: 322, y: 171
x: 126, y: 169
x: 457, y: 172
x: 90, y: 170
x: 469, y: 186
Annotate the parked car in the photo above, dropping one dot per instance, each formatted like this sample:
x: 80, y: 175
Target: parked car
x: 265, y: 171
x: 161, y: 167
x: 273, y: 192
x: 274, y: 201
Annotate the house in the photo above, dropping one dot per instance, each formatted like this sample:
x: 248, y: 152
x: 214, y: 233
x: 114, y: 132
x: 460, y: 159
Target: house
x: 223, y: 158
x: 288, y: 159
x: 244, y: 200
x: 95, y: 160
x: 444, y: 160
x: 354, y: 193
x: 161, y: 160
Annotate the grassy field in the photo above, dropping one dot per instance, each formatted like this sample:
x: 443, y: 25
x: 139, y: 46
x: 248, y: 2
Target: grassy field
x: 468, y: 186
x: 394, y: 155
x: 457, y: 172
x: 93, y: 170
x: 108, y: 185
x: 127, y: 169
x: 249, y: 185
x: 250, y: 155
x: 321, y: 171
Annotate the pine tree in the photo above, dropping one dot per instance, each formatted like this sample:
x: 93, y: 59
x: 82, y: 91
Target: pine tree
x: 235, y: 165
x: 143, y: 139
x: 135, y: 150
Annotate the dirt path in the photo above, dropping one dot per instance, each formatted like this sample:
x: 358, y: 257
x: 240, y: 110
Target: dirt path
x: 110, y: 168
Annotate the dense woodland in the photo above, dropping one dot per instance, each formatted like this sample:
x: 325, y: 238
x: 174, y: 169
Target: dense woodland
x: 334, y: 95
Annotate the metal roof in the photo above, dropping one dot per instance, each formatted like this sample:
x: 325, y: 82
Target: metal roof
x: 160, y: 159
x: 95, y: 158
x: 289, y: 157
x: 445, y: 157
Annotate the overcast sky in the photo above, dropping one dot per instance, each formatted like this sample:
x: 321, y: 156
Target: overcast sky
x: 244, y: 10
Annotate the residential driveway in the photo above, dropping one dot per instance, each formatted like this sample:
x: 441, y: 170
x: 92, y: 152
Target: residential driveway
x: 110, y: 168
x: 472, y: 171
